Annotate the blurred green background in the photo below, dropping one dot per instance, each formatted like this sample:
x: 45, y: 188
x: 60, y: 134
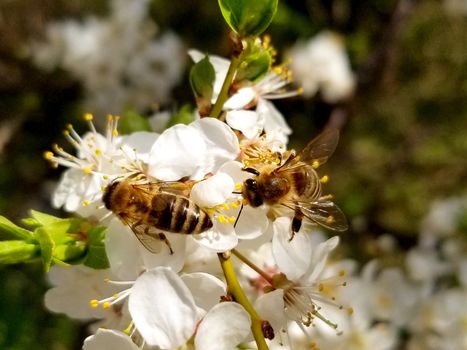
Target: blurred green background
x: 403, y: 143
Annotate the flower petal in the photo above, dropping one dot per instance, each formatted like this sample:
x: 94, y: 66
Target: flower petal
x: 242, y: 98
x: 122, y: 251
x: 249, y: 123
x: 270, y: 307
x: 108, y: 339
x: 213, y: 191
x: 205, y: 288
x: 179, y: 151
x: 221, y: 142
x: 273, y: 119
x: 162, y: 308
x: 139, y: 144
x: 292, y: 257
x: 253, y: 222
x: 175, y: 261
x: 223, y: 328
x: 319, y: 257
x: 220, y: 238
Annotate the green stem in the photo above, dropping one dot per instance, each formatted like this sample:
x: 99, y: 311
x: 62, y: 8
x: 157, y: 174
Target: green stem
x: 224, y: 93
x: 240, y: 297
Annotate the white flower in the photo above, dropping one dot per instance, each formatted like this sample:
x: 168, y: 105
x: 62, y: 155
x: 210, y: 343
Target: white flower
x: 99, y: 158
x: 215, y: 194
x: 73, y: 288
x: 166, y: 312
x: 322, y: 64
x: 301, y: 294
x: 117, y: 58
x: 267, y: 117
x: 108, y: 339
x: 386, y: 303
x: 192, y: 150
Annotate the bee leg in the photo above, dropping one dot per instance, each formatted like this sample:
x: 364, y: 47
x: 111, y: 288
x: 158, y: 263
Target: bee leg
x: 296, y: 223
x: 164, y: 239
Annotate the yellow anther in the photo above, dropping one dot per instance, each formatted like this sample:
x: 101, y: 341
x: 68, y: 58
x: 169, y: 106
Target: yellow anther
x: 238, y: 186
x: 235, y: 204
x: 115, y: 296
x: 98, y: 152
x: 103, y: 188
x: 350, y: 310
x: 300, y: 90
x: 315, y: 164
x: 69, y: 126
x: 324, y: 179
x: 110, y: 117
x: 341, y: 273
x: 129, y: 329
x: 225, y: 206
x: 232, y: 219
x: 105, y: 177
x: 106, y: 305
x: 88, y: 117
x: 221, y: 219
x: 66, y: 132
x: 244, y: 201
x: 330, y: 219
x: 327, y: 197
x: 87, y: 170
x: 48, y: 155
x: 94, y: 303
x: 114, y: 132
x: 106, y: 280
x: 86, y: 202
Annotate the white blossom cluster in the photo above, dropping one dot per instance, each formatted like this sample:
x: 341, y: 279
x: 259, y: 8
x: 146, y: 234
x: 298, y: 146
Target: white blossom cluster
x: 117, y: 58
x: 172, y: 299
x: 321, y: 65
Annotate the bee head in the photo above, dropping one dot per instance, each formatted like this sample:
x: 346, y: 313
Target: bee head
x: 251, y: 194
x: 109, y: 190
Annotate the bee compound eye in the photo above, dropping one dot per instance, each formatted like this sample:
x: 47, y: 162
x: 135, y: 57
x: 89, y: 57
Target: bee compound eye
x: 251, y: 183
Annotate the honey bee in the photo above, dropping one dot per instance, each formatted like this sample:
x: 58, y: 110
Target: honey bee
x: 295, y: 184
x: 149, y: 207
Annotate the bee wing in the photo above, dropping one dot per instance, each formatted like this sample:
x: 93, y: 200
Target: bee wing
x: 173, y: 187
x: 150, y: 242
x: 320, y: 148
x: 322, y: 212
x: 326, y: 214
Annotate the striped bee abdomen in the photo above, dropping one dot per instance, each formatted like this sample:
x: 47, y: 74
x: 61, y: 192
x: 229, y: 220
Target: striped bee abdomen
x: 307, y: 183
x: 178, y: 214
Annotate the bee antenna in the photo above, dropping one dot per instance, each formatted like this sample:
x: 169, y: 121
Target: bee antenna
x: 251, y: 171
x: 238, y: 216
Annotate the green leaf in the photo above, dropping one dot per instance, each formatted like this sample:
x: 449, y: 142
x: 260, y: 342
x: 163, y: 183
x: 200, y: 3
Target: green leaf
x: 40, y: 219
x: 96, y: 256
x: 248, y: 17
x: 13, y: 252
x: 132, y: 122
x: 202, y: 76
x: 47, y: 247
x: 13, y: 230
x: 254, y: 66
x: 70, y: 253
